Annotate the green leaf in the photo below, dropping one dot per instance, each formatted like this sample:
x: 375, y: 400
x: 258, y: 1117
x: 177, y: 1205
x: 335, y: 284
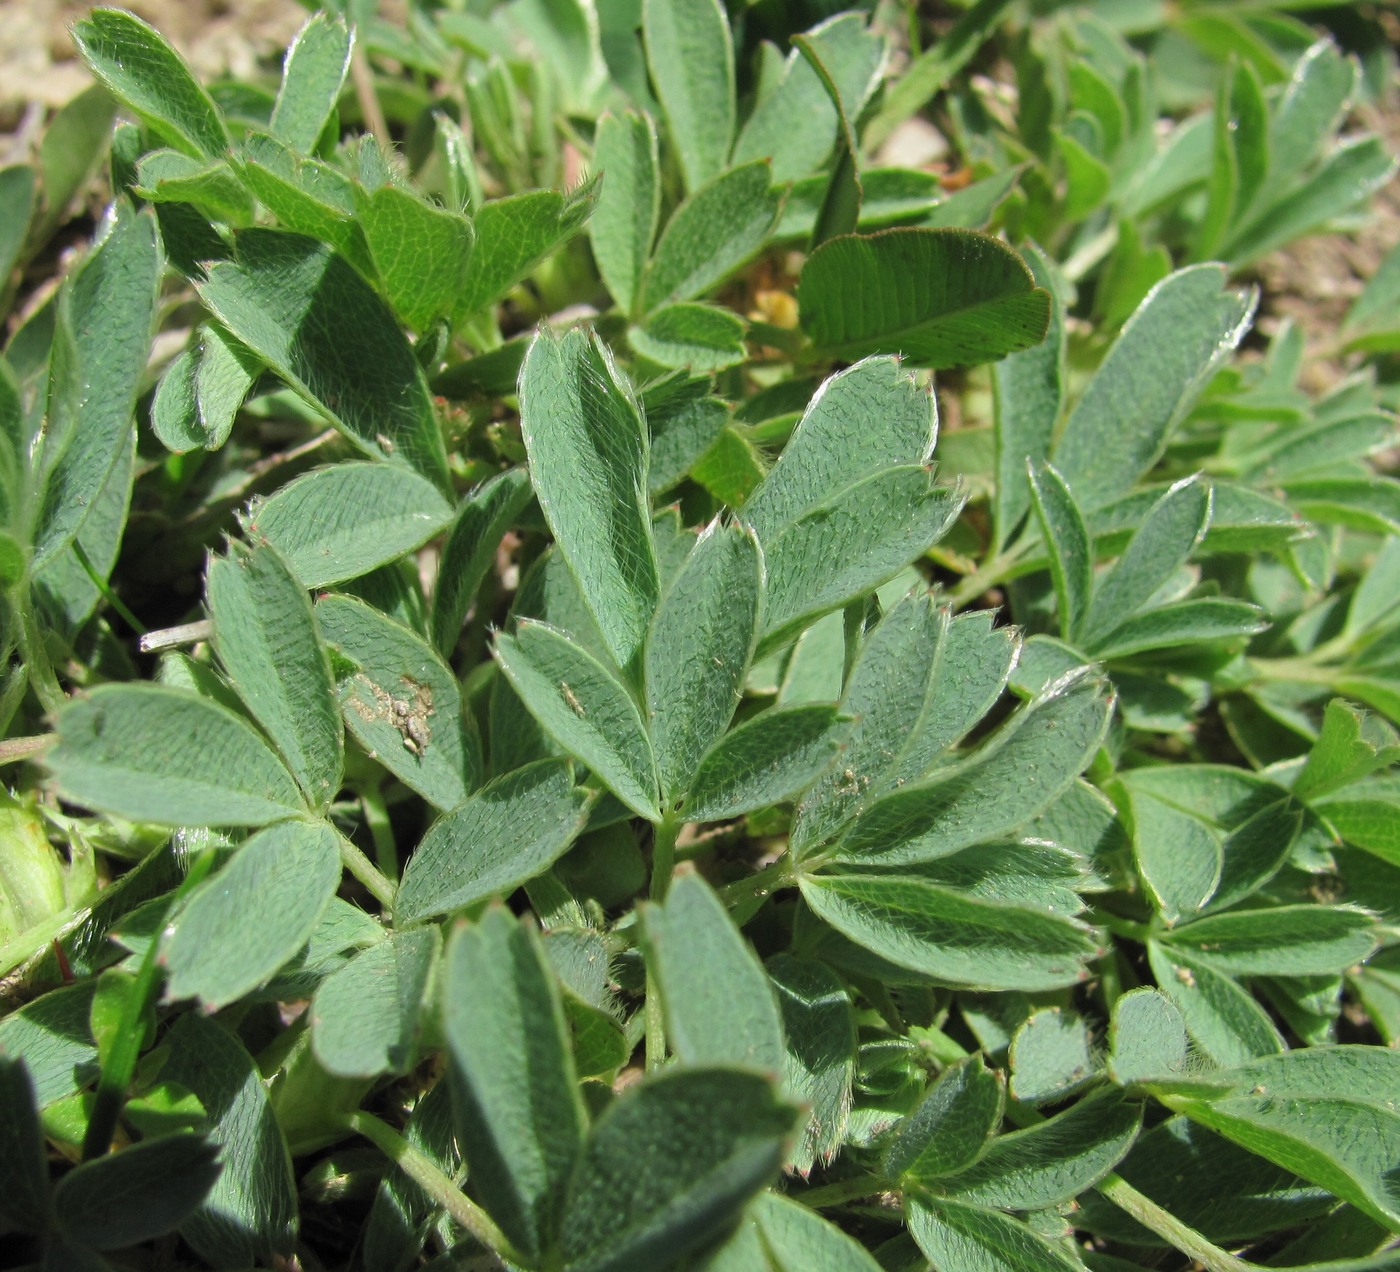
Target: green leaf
x: 1323, y: 1120
x: 53, y: 1037
x: 519, y: 1117
x: 944, y: 934
x: 24, y: 1172
x: 766, y: 760
x: 306, y: 312
x: 795, y: 124
x: 17, y: 190
x: 423, y: 253
x: 820, y: 1068
x: 629, y: 204
x: 313, y: 74
x: 401, y: 702
x: 587, y: 444
x: 730, y: 468
x: 1255, y: 851
x: 869, y: 417
x: 1343, y: 753
x: 1307, y: 116
x: 470, y: 550
x: 267, y: 640
x: 1051, y: 1057
x: 787, y: 1235
x: 1030, y: 762
x: 1287, y: 940
x: 145, y: 74
x: 1355, y: 169
x: 972, y: 299
x: 250, y: 1214
x: 690, y: 54
x: 1161, y: 546
x: 1165, y: 354
x: 669, y: 1165
x: 393, y: 1232
x: 971, y: 1239
x: 1147, y: 1038
x: 1049, y: 1164
x: 585, y: 708
x: 1225, y: 1023
x: 1225, y: 1193
x: 164, y: 755
x: 76, y: 138
x: 105, y: 316
x: 511, y: 830
x: 223, y: 378
x: 888, y: 694
x: 344, y: 520
x: 841, y: 550
x: 935, y: 66
x: 365, y: 1018
x: 977, y: 658
x: 1183, y: 623
x: 699, y: 650
x: 701, y: 338
x: 167, y: 176
x: 719, y: 227
x: 143, y: 1191
x: 1071, y: 551
x: 1178, y: 854
x: 305, y: 195
x: 66, y: 590
x: 515, y: 234
x: 949, y: 1127
x: 1373, y: 321
x: 720, y: 1005
x: 249, y: 919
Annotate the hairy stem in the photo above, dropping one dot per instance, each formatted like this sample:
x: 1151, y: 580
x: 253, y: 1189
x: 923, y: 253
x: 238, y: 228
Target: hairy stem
x: 364, y: 870
x: 424, y: 1172
x: 1167, y: 1226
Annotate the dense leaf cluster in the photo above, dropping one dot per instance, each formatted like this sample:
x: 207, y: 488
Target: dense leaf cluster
x: 614, y: 785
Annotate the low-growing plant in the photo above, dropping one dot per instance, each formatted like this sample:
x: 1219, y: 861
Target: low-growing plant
x: 531, y: 747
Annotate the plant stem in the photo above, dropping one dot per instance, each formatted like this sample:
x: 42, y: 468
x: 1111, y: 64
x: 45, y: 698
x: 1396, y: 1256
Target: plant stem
x: 14, y: 749
x: 36, y: 659
x: 1303, y: 670
x: 424, y: 1172
x: 170, y: 637
x: 1167, y: 1226
x: 656, y: 1025
x: 108, y: 595
x: 120, y: 1064
x: 842, y: 1190
x: 773, y: 876
x: 386, y: 852
x: 1126, y: 928
x: 364, y: 870
x: 989, y: 575
x: 663, y: 853
x: 362, y: 78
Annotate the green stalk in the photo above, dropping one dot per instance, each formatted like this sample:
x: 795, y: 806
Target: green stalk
x: 104, y: 588
x: 117, y: 1072
x: 36, y: 660
x: 656, y: 1025
x: 424, y: 1172
x: 1167, y: 1226
x: 364, y: 870
x: 842, y: 1190
x: 386, y: 852
x: 663, y: 853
